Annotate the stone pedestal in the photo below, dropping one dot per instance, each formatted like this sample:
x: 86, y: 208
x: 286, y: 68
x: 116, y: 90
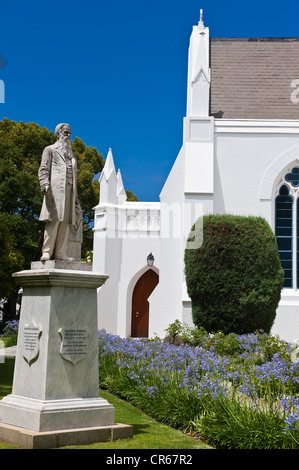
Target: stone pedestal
x: 56, y: 385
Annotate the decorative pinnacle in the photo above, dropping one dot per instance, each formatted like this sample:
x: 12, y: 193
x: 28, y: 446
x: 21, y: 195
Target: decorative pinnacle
x: 200, y: 23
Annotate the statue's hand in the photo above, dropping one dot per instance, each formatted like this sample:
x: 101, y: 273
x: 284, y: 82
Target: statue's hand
x: 46, y: 189
x: 77, y: 206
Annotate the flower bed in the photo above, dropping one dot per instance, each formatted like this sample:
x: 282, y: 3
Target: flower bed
x: 10, y: 333
x: 234, y: 391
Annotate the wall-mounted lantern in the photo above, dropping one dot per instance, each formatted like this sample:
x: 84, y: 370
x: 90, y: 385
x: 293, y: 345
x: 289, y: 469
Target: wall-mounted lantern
x: 150, y: 259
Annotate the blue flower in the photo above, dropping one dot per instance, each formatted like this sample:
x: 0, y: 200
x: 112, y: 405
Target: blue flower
x: 291, y: 422
x: 151, y: 391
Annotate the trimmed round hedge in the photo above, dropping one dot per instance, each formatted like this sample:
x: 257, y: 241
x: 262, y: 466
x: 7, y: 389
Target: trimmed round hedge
x: 235, y: 278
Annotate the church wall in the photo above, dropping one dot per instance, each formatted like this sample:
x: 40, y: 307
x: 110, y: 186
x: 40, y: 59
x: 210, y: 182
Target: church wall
x: 135, y: 249
x: 241, y: 161
x: 124, y: 235
x: 166, y: 300
x: 106, y: 260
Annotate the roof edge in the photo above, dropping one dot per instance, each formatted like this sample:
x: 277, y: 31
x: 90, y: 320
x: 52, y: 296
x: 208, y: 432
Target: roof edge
x: 268, y: 39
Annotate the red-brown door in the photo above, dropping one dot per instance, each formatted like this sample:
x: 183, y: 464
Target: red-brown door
x: 140, y: 305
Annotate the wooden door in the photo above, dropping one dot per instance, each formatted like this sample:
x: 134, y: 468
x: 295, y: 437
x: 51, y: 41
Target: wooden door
x: 140, y: 305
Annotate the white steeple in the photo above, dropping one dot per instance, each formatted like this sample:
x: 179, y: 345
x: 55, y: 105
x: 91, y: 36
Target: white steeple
x: 108, y: 167
x: 108, y: 181
x: 198, y: 71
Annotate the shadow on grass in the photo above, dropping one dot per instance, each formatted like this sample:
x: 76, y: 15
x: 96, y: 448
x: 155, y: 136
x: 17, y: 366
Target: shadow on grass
x: 140, y: 428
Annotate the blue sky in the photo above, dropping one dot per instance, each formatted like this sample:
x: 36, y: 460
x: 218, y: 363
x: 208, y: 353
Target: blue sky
x: 117, y: 70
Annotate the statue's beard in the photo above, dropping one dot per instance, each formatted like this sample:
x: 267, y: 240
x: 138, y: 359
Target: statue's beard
x: 65, y: 146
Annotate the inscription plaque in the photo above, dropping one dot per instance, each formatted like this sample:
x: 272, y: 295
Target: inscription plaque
x: 73, y: 342
x: 31, y: 337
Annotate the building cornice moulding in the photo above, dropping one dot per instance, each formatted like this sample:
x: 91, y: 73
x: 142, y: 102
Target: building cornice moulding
x: 256, y: 126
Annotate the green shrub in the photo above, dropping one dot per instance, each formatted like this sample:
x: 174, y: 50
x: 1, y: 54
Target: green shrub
x: 235, y: 278
x: 261, y: 346
x: 181, y: 333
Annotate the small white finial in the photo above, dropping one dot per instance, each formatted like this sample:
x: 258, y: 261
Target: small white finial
x: 200, y: 23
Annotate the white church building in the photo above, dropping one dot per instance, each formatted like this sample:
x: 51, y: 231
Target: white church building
x: 240, y: 155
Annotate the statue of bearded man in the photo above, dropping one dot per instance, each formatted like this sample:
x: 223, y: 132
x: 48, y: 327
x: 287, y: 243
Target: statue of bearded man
x: 58, y: 181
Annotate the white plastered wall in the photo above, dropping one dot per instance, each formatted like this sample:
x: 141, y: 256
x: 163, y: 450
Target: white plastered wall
x: 120, y: 251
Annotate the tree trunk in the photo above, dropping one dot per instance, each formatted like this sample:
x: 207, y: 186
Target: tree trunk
x: 10, y: 306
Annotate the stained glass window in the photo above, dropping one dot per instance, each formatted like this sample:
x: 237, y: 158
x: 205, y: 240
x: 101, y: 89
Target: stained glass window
x: 293, y: 177
x: 284, y: 232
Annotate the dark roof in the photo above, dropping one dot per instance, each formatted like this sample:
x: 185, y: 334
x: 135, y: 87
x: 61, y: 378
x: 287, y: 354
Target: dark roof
x: 251, y: 78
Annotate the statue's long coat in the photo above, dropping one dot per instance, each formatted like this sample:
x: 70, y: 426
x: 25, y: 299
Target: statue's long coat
x: 52, y: 172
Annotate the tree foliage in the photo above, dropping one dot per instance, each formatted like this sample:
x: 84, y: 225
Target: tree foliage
x: 90, y: 163
x: 131, y: 196
x: 21, y: 147
x: 11, y: 260
x: 235, y: 278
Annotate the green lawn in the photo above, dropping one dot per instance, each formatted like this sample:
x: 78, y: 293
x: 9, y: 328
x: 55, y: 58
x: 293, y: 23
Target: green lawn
x: 148, y: 433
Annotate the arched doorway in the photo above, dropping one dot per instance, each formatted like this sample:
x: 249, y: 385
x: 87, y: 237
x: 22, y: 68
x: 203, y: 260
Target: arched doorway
x: 140, y: 305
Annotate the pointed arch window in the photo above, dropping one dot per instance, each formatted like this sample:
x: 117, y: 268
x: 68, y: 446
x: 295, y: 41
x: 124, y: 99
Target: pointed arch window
x: 287, y: 226
x: 284, y: 233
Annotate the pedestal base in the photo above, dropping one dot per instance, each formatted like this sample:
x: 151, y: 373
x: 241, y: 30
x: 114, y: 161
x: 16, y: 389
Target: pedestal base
x: 56, y: 264
x: 55, y: 395
x: 27, y: 439
x: 54, y: 415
